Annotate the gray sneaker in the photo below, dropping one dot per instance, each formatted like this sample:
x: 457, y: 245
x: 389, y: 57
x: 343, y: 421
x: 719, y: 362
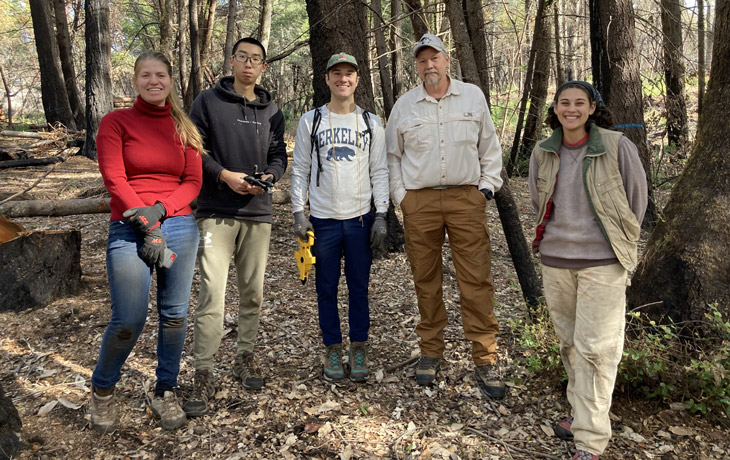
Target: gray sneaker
x: 203, y: 391
x: 489, y: 379
x: 427, y: 370
x: 168, y: 410
x: 245, y: 368
x: 104, y: 412
x: 333, y: 369
x: 358, y: 359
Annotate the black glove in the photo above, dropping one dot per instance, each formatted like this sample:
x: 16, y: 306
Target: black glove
x: 379, y: 231
x: 146, y: 218
x: 488, y: 194
x: 302, y: 225
x: 152, y: 251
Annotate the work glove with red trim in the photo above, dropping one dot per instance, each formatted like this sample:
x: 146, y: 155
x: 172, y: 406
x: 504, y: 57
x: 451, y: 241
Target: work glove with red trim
x: 145, y: 218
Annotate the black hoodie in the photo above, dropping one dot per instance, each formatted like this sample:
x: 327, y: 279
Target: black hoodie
x: 239, y: 135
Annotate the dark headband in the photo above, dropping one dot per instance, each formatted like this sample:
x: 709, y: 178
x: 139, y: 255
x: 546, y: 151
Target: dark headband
x: 593, y: 93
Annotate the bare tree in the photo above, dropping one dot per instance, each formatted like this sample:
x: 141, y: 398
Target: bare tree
x: 99, y: 100
x: 386, y: 81
x: 686, y: 263
x: 264, y: 31
x: 195, y: 84
x: 418, y: 19
x: 53, y: 87
x: 700, y: 56
x: 396, y: 57
x: 165, y: 15
x: 67, y: 64
x: 676, y: 106
x: 230, y: 35
x: 182, y: 46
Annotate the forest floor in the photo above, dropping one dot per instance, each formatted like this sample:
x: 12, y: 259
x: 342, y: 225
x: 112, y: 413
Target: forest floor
x: 47, y: 356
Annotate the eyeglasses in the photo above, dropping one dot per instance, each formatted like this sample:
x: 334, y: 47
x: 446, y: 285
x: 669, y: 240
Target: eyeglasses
x: 254, y: 60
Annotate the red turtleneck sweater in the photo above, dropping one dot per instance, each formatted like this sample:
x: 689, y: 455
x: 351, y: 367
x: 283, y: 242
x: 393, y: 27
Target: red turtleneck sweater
x: 142, y: 161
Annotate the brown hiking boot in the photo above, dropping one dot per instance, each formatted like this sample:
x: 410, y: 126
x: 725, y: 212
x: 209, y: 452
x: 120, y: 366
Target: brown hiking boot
x: 332, y: 369
x: 245, y: 368
x: 427, y: 370
x: 358, y: 360
x: 203, y: 391
x: 168, y: 410
x: 489, y: 379
x: 104, y: 411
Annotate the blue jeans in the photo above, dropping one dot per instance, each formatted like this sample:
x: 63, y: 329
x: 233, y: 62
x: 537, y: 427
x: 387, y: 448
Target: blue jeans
x: 332, y: 238
x: 129, y: 285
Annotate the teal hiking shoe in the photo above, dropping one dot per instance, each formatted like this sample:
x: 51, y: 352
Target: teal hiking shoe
x: 358, y: 358
x: 333, y: 369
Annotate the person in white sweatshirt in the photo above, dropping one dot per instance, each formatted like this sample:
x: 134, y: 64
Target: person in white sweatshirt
x: 340, y: 166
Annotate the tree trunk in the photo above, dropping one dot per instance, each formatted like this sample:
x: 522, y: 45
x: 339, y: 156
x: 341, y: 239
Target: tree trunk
x: 418, y: 19
x: 195, y: 84
x: 99, y: 99
x: 615, y: 63
x: 676, y: 106
x: 67, y: 64
x: 700, y: 56
x: 538, y: 93
x: 53, y: 88
x: 10, y: 424
x: 165, y: 7
x: 9, y: 98
x: 559, y: 70
x: 686, y: 264
x: 264, y: 31
x: 207, y: 19
x: 396, y: 58
x: 336, y: 27
x: 508, y: 212
x: 382, y: 50
x: 475, y: 25
x: 464, y: 47
x: 230, y: 33
x: 527, y: 89
x: 182, y: 44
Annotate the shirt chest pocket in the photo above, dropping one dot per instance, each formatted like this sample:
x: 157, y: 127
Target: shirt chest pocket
x: 463, y: 127
x: 417, y: 136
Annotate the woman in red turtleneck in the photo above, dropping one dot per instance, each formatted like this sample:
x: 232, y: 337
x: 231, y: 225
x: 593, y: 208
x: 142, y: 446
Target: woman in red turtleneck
x: 149, y: 157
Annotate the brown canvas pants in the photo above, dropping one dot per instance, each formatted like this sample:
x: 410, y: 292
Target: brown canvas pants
x: 427, y: 215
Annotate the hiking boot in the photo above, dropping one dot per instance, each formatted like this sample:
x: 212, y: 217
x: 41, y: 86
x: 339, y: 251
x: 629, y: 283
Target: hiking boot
x: 359, y: 362
x: 562, y: 429
x: 333, y: 369
x: 203, y: 391
x: 245, y: 368
x: 584, y: 455
x: 168, y: 410
x: 427, y: 370
x: 104, y: 412
x: 489, y: 379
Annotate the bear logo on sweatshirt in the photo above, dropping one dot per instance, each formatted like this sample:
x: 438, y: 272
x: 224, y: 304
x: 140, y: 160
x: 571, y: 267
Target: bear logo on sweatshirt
x: 340, y: 153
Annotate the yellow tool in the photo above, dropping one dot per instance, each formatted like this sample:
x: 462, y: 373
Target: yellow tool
x: 305, y: 259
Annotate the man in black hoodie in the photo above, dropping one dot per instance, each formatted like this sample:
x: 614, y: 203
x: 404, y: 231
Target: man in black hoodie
x: 243, y: 132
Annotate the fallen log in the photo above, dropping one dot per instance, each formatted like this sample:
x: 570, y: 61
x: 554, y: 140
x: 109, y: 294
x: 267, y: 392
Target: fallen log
x: 39, y: 267
x: 30, y: 162
x: 57, y: 208
x: 29, y: 134
x: 36, y: 208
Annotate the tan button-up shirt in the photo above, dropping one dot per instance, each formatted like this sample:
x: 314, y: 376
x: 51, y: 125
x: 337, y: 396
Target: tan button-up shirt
x: 445, y: 142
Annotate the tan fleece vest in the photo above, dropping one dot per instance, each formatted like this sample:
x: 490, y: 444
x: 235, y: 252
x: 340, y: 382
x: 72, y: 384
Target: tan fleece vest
x: 603, y: 186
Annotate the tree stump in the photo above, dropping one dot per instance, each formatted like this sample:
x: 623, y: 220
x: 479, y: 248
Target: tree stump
x: 38, y: 268
x: 10, y: 424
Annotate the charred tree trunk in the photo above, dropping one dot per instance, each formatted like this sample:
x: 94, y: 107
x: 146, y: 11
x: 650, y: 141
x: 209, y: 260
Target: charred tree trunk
x: 508, y: 212
x: 67, y: 64
x: 195, y: 84
x: 686, y: 264
x: 615, y: 63
x: 676, y: 106
x: 8, y: 97
x: 206, y: 18
x: 99, y: 99
x: 476, y: 28
x: 230, y: 33
x: 700, y: 56
x: 396, y: 57
x: 382, y: 50
x: 418, y: 19
x: 53, y: 88
x: 10, y: 424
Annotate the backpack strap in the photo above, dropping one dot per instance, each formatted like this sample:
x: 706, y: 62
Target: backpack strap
x: 369, y: 131
x: 315, y: 145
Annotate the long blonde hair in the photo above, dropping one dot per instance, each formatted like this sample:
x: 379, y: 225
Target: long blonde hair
x: 185, y: 128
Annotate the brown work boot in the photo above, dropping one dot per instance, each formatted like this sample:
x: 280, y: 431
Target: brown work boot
x: 168, y: 410
x: 489, y: 379
x: 427, y: 370
x: 203, y: 391
x: 104, y: 411
x: 245, y: 368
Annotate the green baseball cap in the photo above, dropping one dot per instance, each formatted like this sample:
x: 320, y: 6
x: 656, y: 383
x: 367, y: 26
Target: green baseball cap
x: 341, y: 58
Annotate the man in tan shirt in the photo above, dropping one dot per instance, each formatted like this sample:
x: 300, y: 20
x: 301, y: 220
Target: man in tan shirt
x: 444, y: 160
